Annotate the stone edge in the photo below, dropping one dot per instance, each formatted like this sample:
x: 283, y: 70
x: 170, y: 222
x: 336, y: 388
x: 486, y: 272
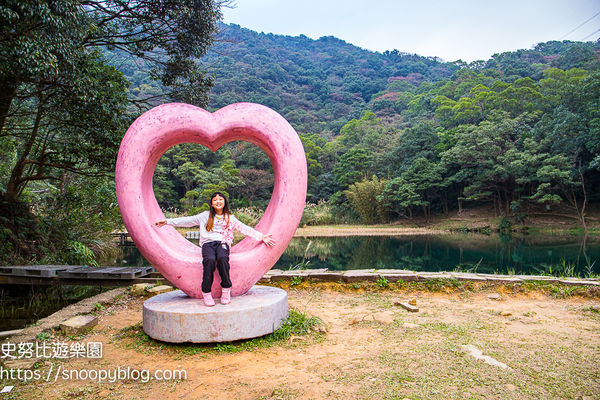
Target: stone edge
x: 373, y: 275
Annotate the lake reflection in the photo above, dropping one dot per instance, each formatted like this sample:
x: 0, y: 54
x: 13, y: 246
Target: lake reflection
x: 466, y: 252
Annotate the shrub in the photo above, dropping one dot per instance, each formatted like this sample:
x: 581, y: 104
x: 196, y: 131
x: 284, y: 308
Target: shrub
x: 363, y: 199
x: 318, y: 214
x: 249, y: 215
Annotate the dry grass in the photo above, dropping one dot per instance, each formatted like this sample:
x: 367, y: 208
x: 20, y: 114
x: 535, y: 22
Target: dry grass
x: 374, y: 349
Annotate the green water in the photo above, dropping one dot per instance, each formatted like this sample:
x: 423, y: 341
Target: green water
x: 21, y: 305
x: 535, y: 255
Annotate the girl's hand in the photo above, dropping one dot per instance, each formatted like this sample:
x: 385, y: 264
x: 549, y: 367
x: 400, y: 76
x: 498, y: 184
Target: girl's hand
x: 160, y: 224
x: 268, y: 241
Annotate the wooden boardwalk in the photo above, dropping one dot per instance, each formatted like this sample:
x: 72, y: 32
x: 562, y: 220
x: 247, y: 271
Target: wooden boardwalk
x: 76, y: 275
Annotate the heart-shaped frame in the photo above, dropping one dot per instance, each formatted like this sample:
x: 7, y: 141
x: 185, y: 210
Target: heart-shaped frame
x: 165, y: 126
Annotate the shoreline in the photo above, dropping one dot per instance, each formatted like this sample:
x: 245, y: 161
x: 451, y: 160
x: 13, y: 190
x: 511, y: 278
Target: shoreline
x: 399, y: 230
x: 364, y: 230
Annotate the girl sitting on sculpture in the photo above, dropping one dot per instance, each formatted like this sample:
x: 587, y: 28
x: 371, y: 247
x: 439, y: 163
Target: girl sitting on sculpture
x: 216, y: 236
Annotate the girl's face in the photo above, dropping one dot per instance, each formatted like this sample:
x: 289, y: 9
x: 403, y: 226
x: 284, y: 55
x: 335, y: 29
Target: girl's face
x: 218, y: 203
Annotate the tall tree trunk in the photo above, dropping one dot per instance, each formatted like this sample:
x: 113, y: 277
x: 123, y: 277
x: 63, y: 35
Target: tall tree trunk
x: 8, y: 90
x: 16, y: 181
x: 588, y: 263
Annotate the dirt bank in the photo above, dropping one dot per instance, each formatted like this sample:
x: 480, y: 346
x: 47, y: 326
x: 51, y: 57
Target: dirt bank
x: 372, y: 349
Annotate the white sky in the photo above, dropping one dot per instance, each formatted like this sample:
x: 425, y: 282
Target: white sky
x: 450, y: 29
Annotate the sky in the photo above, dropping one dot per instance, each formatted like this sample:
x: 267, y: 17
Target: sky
x: 468, y: 30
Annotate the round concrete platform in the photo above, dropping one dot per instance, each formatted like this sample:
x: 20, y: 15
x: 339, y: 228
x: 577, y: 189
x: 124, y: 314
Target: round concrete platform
x: 175, y: 317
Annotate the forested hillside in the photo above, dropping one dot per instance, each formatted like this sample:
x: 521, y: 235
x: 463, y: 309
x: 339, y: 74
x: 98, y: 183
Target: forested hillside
x: 317, y: 85
x: 396, y: 134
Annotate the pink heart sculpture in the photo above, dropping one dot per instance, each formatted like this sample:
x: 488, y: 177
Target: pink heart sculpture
x: 165, y: 126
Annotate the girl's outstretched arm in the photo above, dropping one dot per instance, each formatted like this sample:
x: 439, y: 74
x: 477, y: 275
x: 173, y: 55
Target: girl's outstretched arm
x: 181, y: 222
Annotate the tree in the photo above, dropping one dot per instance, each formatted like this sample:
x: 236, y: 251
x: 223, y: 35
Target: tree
x: 64, y: 108
x: 365, y: 198
x: 416, y: 142
x: 192, y: 174
x: 61, y: 105
x: 399, y: 195
x: 425, y: 179
x: 482, y: 156
x: 312, y: 144
x: 72, y: 125
x: 353, y: 166
x: 571, y: 138
x: 257, y: 183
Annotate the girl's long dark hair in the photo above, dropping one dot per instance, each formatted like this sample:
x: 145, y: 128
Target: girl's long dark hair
x: 211, y: 215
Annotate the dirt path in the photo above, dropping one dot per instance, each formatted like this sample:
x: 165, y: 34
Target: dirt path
x: 372, y: 350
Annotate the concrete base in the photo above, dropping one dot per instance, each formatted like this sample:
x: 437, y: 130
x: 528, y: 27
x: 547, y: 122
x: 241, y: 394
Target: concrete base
x: 174, y: 317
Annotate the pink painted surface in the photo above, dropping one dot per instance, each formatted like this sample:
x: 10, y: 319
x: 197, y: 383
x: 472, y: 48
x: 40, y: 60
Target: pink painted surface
x: 169, y: 252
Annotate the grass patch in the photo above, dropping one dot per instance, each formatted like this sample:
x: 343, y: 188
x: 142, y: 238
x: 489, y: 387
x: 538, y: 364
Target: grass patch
x: 281, y: 393
x: 296, y: 325
x: 591, y: 309
x: 555, y: 290
x: 442, y: 285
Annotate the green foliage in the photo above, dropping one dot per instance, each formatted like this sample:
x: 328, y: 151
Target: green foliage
x: 518, y: 129
x: 504, y: 226
x: 249, y: 215
x: 43, y: 336
x: 296, y: 324
x: 353, y: 166
x: 321, y: 213
x: 296, y: 280
x: 365, y: 199
x: 81, y: 254
x: 64, y: 108
x: 316, y: 85
x: 515, y: 130
x: 382, y: 282
x: 198, y: 210
x: 72, y: 226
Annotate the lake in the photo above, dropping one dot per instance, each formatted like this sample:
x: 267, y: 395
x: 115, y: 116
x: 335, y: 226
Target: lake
x: 530, y: 255
x: 21, y: 305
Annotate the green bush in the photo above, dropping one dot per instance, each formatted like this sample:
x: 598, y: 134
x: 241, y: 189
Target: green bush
x: 321, y: 213
x: 363, y: 197
x: 198, y: 210
x: 249, y: 215
x: 70, y: 226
